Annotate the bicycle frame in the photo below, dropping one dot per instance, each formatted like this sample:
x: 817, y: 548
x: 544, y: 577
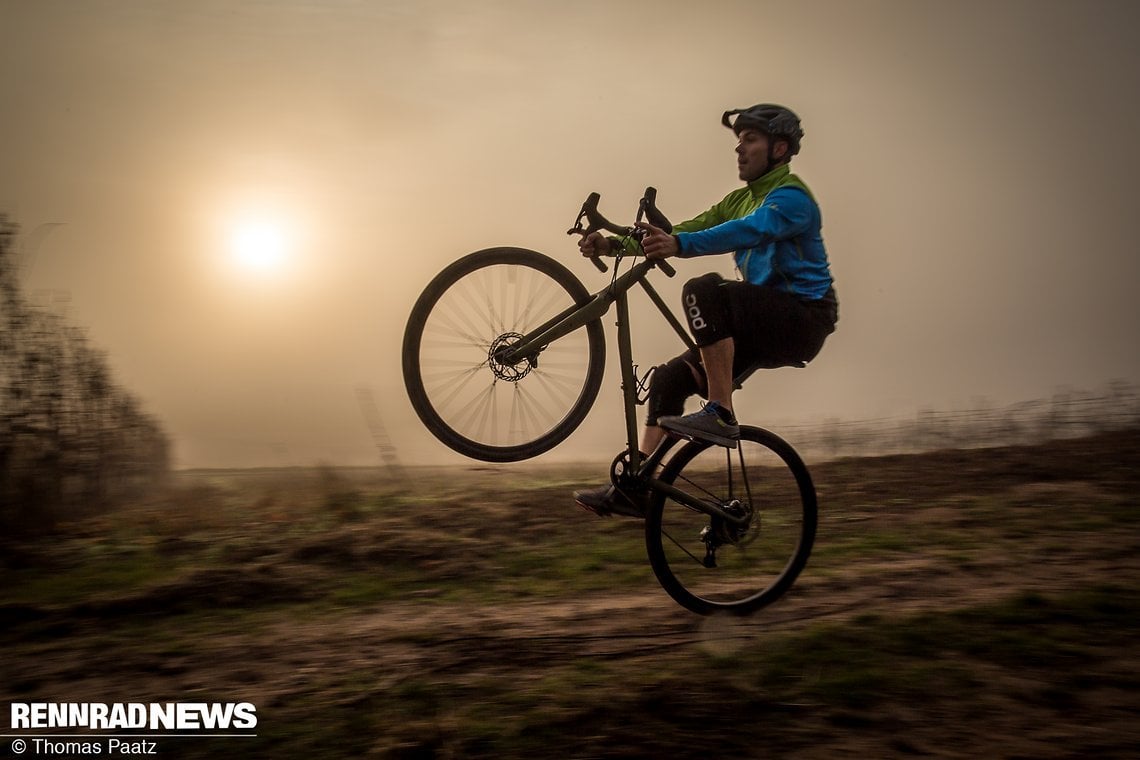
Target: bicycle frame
x: 530, y: 345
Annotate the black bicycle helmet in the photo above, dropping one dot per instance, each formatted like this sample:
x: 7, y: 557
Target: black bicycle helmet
x: 772, y: 120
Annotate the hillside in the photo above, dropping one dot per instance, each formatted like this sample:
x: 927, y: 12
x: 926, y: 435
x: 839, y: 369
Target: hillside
x: 958, y: 604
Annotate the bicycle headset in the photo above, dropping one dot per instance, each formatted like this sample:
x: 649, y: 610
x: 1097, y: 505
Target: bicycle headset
x: 771, y: 119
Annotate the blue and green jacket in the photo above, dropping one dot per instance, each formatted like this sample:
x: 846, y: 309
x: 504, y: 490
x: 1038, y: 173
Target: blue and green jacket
x: 773, y: 227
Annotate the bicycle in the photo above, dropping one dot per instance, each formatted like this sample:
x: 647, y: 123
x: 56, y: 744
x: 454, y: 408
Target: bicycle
x: 491, y: 363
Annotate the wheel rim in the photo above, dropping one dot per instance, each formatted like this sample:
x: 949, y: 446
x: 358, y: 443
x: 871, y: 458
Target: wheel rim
x: 755, y: 563
x: 485, y: 401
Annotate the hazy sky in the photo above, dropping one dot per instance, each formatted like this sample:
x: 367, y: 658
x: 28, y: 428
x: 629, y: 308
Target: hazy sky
x: 976, y: 164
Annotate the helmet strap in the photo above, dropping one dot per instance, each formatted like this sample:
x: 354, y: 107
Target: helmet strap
x: 773, y: 162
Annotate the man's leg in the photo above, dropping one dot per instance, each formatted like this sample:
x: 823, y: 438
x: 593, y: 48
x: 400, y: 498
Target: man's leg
x: 651, y: 438
x: 671, y: 383
x: 706, y: 308
x: 717, y: 358
x: 706, y: 301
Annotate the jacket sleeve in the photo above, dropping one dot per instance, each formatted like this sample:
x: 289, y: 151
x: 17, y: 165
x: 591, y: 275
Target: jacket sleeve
x: 702, y: 221
x: 785, y: 213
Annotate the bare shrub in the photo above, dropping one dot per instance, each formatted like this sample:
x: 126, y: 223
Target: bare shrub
x: 72, y: 442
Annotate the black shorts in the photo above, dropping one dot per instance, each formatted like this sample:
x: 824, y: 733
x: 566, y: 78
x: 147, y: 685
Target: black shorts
x: 769, y: 329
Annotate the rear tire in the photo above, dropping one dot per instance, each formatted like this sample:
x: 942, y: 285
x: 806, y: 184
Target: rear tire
x: 756, y: 564
x: 481, y: 408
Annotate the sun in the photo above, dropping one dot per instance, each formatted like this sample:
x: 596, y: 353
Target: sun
x: 260, y: 245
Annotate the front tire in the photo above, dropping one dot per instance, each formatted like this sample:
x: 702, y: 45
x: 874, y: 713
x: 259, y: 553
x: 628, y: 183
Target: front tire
x: 476, y: 405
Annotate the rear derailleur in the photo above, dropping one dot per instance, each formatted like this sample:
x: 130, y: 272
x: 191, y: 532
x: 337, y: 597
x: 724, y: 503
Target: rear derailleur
x: 720, y: 532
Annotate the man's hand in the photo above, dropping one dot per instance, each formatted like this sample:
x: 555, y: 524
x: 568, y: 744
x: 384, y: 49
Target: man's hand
x: 594, y: 244
x: 657, y: 243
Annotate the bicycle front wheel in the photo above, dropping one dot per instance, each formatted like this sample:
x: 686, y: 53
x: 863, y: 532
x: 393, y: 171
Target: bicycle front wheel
x: 709, y: 564
x: 472, y: 401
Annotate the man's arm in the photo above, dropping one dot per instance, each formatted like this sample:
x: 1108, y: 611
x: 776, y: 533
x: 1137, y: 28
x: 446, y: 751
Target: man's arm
x: 703, y: 221
x: 786, y: 212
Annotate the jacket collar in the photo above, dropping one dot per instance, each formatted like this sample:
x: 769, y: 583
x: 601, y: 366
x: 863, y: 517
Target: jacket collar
x: 770, y: 181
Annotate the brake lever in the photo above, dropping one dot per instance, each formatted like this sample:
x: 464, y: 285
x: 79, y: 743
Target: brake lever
x: 647, y: 209
x: 591, y: 204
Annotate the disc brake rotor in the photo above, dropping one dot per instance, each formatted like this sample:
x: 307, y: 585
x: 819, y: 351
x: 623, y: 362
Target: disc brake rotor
x: 511, y: 373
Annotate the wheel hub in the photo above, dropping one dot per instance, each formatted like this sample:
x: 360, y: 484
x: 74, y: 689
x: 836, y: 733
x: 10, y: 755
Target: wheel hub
x: 511, y: 373
x: 720, y: 532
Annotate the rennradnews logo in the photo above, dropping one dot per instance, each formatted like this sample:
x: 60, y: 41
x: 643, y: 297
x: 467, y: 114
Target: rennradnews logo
x: 118, y: 716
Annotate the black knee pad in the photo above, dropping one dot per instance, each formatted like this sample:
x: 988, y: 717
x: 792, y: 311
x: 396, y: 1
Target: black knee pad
x: 671, y: 383
x: 706, y: 307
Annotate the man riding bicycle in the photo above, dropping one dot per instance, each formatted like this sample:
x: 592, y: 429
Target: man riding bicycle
x: 778, y: 315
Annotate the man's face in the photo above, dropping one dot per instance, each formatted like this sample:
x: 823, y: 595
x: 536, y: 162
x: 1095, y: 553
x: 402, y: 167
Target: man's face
x: 752, y: 154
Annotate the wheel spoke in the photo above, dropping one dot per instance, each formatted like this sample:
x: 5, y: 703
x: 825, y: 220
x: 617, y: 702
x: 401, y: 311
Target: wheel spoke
x: 467, y: 377
x: 681, y: 546
x: 451, y: 319
x: 479, y: 311
x: 533, y: 408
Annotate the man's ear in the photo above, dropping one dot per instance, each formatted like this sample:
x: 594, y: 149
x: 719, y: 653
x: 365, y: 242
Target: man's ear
x: 780, y: 150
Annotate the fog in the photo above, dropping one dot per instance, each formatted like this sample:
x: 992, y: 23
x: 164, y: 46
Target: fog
x: 974, y: 163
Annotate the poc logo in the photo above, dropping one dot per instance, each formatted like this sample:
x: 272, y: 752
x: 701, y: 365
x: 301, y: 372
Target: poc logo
x: 695, y: 318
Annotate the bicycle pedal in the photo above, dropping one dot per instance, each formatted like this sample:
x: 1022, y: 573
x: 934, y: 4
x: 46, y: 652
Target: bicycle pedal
x: 592, y: 511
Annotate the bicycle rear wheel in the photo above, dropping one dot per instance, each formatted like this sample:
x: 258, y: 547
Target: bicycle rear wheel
x: 709, y: 565
x: 477, y: 405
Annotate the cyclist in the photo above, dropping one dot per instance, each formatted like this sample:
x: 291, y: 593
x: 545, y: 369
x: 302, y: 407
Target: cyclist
x: 778, y: 315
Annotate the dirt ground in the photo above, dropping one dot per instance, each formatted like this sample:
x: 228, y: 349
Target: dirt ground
x: 268, y: 590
